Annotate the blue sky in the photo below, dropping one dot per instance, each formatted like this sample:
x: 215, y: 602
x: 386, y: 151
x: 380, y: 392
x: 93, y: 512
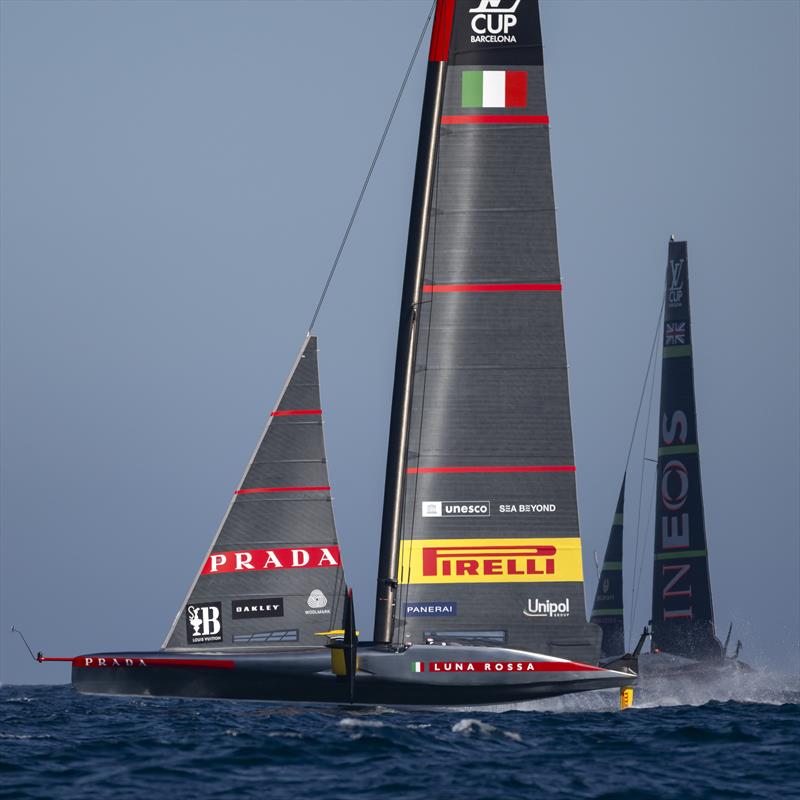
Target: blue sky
x: 176, y: 177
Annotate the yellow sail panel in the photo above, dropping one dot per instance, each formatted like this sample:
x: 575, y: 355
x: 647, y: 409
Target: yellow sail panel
x: 490, y: 560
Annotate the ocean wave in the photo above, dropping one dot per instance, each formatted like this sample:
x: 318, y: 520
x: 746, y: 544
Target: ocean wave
x: 63, y: 745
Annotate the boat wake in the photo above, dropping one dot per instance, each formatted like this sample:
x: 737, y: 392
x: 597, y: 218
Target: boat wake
x: 761, y: 687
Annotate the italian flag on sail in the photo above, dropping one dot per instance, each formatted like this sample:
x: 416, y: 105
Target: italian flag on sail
x: 494, y: 88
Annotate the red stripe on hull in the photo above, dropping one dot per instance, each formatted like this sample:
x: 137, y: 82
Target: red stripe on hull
x: 265, y: 489
x: 296, y: 412
x: 134, y: 662
x: 442, y: 29
x: 430, y: 470
x: 494, y: 119
x: 492, y: 287
x: 509, y: 666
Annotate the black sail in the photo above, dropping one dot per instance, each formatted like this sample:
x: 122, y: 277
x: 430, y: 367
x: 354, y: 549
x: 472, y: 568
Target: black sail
x: 683, y: 616
x: 489, y: 548
x: 273, y: 575
x: 608, y: 605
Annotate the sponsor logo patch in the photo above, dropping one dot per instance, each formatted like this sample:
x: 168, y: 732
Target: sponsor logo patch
x: 546, y: 608
x: 491, y: 560
x: 493, y: 21
x: 527, y: 508
x: 278, y: 558
x: 317, y: 603
x: 204, y: 623
x: 501, y: 666
x: 456, y: 508
x: 431, y: 609
x: 254, y: 608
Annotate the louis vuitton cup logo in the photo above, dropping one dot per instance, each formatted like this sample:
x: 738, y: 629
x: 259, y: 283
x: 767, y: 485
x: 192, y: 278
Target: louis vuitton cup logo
x: 204, y: 623
x: 675, y: 288
x: 492, y: 21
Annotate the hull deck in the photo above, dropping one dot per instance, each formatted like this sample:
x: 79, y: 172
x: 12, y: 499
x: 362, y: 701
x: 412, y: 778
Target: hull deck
x: 420, y: 675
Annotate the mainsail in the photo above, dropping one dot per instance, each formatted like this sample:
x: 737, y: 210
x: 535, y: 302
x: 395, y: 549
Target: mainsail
x: 683, y: 617
x: 608, y: 607
x: 480, y: 539
x: 273, y: 575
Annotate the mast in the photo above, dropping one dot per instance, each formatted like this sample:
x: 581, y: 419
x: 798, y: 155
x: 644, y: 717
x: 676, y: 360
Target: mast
x: 407, y: 335
x: 607, y: 611
x: 683, y: 614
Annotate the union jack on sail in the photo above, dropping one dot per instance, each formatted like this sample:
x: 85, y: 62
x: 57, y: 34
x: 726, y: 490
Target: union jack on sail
x: 675, y: 333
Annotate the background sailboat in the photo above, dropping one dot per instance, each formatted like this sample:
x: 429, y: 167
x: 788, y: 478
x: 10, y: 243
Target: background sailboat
x: 682, y: 610
x: 607, y: 611
x: 682, y: 617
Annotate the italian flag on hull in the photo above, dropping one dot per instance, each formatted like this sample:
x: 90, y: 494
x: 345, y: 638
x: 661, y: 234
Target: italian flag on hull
x: 494, y: 89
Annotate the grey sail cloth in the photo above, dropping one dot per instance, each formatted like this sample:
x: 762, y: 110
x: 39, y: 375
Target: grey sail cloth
x: 490, y: 548
x: 273, y: 575
x: 683, y: 615
x: 607, y: 611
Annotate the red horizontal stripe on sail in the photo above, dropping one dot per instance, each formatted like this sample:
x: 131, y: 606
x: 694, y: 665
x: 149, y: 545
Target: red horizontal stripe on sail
x: 442, y: 28
x: 263, y: 489
x: 134, y: 661
x: 427, y: 470
x: 295, y: 411
x: 493, y: 287
x: 495, y: 119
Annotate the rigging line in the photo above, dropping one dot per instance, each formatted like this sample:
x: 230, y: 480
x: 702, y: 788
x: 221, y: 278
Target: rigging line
x: 650, y: 366
x: 646, y: 376
x: 371, y: 168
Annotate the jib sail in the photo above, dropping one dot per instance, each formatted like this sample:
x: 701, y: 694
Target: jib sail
x: 683, y: 617
x: 608, y: 607
x: 273, y: 576
x: 480, y: 528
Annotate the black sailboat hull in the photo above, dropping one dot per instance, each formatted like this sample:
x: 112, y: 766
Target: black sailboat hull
x: 447, y: 676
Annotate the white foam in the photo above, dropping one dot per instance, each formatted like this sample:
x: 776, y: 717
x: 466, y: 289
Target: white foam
x: 351, y: 722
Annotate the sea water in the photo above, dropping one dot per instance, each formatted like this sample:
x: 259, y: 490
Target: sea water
x: 736, y: 740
